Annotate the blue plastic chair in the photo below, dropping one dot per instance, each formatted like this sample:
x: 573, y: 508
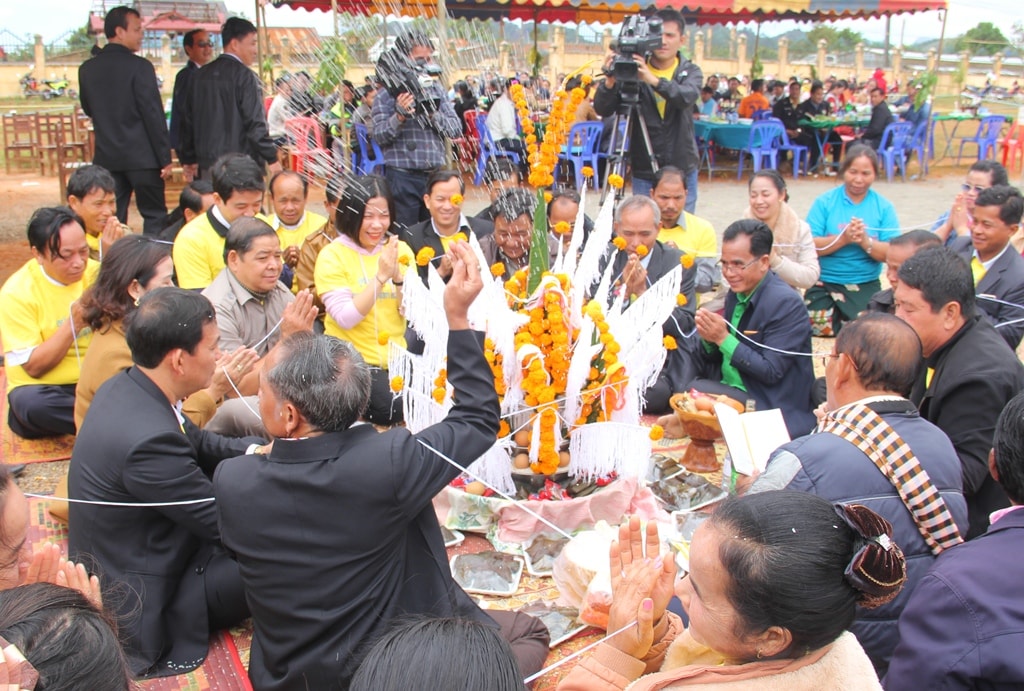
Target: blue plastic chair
x: 893, y: 148
x: 763, y: 114
x: 985, y: 139
x: 798, y: 150
x: 919, y: 143
x: 488, y: 149
x: 367, y: 164
x: 583, y: 148
x: 765, y: 137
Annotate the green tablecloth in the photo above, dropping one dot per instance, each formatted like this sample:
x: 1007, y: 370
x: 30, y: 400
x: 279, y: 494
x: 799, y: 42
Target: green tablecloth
x: 832, y: 123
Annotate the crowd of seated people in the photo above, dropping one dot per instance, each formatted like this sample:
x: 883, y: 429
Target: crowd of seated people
x: 217, y: 378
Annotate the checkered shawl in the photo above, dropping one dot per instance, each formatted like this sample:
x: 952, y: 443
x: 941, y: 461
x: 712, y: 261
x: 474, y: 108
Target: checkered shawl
x: 865, y: 429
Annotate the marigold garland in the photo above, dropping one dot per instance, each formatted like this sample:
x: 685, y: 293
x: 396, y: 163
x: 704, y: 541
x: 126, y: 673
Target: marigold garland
x: 682, y: 300
x: 397, y: 383
x: 641, y: 250
x: 587, y: 171
x: 497, y: 269
x: 657, y: 432
x: 669, y: 343
x: 456, y: 199
x: 619, y: 242
x: 424, y: 256
x: 562, y: 228
x: 616, y: 181
x: 403, y: 260
x: 686, y: 260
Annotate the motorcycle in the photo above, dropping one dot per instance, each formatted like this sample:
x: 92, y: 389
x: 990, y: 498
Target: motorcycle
x: 47, y: 88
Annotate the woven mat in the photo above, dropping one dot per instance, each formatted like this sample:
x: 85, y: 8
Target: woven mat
x: 15, y: 449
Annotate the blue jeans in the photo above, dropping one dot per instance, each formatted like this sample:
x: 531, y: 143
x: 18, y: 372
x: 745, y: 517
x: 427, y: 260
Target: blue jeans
x: 644, y: 187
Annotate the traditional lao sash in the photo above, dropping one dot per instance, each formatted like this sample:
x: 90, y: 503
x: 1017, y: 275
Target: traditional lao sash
x: 865, y: 429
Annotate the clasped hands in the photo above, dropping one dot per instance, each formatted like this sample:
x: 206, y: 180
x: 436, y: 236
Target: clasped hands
x: 643, y: 582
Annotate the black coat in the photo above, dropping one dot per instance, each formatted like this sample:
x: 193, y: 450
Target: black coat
x: 224, y: 113
x: 422, y: 235
x: 181, y: 84
x: 336, y: 535
x: 672, y: 136
x: 1004, y: 281
x: 975, y: 376
x: 131, y: 448
x: 120, y: 93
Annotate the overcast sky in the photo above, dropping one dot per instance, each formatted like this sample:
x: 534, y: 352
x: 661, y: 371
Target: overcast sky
x: 51, y: 18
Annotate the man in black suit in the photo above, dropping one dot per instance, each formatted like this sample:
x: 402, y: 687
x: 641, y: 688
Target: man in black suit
x: 997, y: 267
x: 446, y: 219
x: 173, y: 580
x: 970, y: 373
x: 223, y: 110
x: 199, y: 49
x: 881, y: 117
x: 334, y: 531
x: 120, y: 93
x: 637, y: 220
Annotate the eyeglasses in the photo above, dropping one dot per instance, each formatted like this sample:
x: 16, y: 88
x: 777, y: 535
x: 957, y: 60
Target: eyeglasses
x: 826, y: 358
x: 967, y: 189
x: 204, y: 44
x: 735, y: 266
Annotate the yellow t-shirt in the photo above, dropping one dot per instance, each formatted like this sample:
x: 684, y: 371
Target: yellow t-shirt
x: 309, y: 223
x: 32, y: 308
x: 697, y: 238
x: 198, y: 253
x: 663, y: 74
x: 340, y: 266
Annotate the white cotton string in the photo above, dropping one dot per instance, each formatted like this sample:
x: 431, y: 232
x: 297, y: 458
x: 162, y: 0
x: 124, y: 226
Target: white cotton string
x: 270, y: 333
x: 494, y: 489
x: 768, y: 347
x: 240, y: 396
x: 74, y: 335
x: 575, y: 655
x: 1009, y: 323
x: 833, y: 243
x: 128, y: 504
x: 907, y: 229
x: 992, y: 298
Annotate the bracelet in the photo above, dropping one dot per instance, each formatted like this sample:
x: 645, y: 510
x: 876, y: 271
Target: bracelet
x: 397, y: 283
x: 871, y: 244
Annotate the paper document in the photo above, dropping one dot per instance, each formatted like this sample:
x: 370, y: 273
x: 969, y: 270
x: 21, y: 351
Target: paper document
x: 751, y: 437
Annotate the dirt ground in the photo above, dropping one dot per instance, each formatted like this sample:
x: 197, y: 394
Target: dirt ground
x: 721, y: 201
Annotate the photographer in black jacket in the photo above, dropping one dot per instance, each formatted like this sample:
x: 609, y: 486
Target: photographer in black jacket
x: 669, y: 87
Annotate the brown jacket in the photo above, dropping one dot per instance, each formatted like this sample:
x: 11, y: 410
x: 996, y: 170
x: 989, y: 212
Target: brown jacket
x: 308, y: 253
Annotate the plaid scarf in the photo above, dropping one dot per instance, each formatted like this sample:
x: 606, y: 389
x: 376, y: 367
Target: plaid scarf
x: 865, y: 429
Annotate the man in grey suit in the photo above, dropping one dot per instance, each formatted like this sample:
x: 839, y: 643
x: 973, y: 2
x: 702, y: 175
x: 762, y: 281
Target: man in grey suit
x: 120, y: 94
x: 160, y: 553
x: 997, y: 267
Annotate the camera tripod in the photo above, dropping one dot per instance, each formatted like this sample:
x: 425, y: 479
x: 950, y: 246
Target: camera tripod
x: 629, y: 108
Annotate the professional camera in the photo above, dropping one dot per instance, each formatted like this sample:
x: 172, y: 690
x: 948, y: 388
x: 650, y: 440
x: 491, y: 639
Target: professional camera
x: 401, y: 74
x: 639, y: 36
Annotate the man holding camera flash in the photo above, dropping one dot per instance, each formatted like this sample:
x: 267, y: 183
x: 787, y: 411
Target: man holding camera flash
x: 411, y: 136
x: 669, y: 86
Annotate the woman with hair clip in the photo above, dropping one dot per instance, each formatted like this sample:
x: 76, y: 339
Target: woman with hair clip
x: 54, y: 639
x: 793, y: 258
x: 359, y: 279
x: 773, y: 586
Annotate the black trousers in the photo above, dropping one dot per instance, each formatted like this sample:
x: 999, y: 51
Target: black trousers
x: 385, y: 406
x: 148, y: 187
x: 37, y: 411
x: 407, y: 189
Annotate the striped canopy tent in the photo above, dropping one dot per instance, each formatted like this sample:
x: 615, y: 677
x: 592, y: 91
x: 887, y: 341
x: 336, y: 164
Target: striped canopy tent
x: 603, y: 11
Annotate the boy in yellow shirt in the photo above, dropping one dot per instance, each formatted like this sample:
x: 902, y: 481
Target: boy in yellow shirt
x: 44, y: 334
x: 684, y: 231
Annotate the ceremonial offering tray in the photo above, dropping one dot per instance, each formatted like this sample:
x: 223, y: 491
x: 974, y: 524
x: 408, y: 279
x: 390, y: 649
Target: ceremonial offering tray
x: 451, y: 537
x: 540, y: 553
x: 563, y: 622
x: 686, y: 491
x: 487, y: 573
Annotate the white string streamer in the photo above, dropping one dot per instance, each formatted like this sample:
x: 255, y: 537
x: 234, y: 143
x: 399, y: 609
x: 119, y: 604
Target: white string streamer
x: 130, y: 504
x: 240, y: 396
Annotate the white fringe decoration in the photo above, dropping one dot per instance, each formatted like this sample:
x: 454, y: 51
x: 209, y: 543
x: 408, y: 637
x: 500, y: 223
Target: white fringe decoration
x: 495, y: 466
x: 590, y: 261
x: 599, y: 448
x: 422, y: 411
x: 424, y: 307
x: 566, y: 263
x: 579, y: 370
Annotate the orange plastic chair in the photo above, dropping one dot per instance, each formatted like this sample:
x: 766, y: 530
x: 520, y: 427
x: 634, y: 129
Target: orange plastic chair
x: 1012, y: 146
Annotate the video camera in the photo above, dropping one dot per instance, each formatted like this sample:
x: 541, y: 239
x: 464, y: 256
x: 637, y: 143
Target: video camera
x: 638, y: 36
x: 401, y: 74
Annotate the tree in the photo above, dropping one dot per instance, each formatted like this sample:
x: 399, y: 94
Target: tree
x: 839, y: 40
x: 984, y: 39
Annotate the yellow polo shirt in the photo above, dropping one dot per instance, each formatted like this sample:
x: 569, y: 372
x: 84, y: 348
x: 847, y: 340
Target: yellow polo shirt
x: 697, y: 237
x: 666, y: 73
x: 32, y: 307
x: 198, y: 252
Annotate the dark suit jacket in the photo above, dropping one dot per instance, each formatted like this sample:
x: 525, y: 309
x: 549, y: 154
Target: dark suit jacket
x: 224, y: 114
x: 975, y: 376
x: 131, y: 448
x: 881, y: 117
x: 963, y: 627
x: 336, y: 536
x: 119, y: 92
x: 682, y: 365
x: 776, y: 317
x: 181, y: 82
x: 1005, y: 281
x: 422, y: 235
